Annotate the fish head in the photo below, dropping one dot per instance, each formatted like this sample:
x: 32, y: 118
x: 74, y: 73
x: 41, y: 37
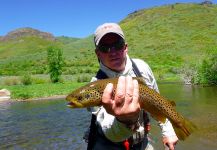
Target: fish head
x: 87, y: 96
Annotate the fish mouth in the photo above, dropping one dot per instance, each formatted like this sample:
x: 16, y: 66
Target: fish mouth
x: 74, y: 104
x: 71, y: 104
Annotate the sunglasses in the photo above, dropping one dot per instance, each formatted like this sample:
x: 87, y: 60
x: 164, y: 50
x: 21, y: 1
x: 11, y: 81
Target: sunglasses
x: 105, y: 48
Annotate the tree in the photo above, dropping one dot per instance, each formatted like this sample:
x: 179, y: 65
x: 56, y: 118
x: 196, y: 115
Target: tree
x: 55, y: 62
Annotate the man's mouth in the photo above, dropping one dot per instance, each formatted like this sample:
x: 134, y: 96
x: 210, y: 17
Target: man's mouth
x: 115, y: 59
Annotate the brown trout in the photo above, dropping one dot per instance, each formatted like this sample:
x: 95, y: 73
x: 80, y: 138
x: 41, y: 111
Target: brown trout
x: 159, y: 107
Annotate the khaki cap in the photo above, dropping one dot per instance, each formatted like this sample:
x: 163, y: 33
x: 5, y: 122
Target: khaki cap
x: 105, y: 29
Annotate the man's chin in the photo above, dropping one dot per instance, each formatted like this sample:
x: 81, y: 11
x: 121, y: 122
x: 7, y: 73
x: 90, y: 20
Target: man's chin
x: 117, y: 67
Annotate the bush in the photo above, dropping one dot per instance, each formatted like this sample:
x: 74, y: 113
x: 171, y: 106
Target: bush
x: 207, y: 72
x: 26, y: 79
x: 83, y: 78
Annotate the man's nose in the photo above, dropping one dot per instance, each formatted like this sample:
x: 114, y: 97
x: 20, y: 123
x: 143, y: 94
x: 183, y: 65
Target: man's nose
x: 112, y: 49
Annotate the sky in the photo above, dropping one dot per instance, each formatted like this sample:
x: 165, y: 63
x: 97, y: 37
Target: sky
x: 73, y: 18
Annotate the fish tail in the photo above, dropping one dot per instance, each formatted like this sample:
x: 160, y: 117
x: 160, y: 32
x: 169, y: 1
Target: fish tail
x: 186, y: 128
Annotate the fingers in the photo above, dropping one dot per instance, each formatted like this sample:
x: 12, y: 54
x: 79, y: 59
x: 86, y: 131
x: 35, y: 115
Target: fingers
x: 120, y: 92
x: 136, y: 96
x: 129, y: 90
x: 170, y: 142
x: 107, y: 101
x: 170, y: 146
x: 136, y: 91
x: 125, y: 104
x: 132, y: 94
x: 129, y: 104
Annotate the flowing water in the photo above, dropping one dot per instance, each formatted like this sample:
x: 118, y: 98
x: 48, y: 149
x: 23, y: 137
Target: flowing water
x: 198, y: 104
x: 52, y: 125
x: 42, y: 125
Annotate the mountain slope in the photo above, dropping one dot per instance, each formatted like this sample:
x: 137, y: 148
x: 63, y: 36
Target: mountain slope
x: 26, y: 32
x: 24, y: 41
x: 182, y: 31
x: 167, y: 37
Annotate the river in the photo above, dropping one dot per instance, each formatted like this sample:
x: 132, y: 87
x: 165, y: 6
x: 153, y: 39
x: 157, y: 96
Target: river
x: 52, y: 125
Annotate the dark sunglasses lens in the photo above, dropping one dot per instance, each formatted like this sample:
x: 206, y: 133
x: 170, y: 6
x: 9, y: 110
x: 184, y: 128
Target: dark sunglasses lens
x: 103, y: 48
x: 117, y: 45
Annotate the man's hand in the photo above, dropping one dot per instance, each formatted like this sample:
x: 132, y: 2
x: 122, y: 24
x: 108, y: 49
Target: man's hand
x: 124, y: 105
x: 170, y: 142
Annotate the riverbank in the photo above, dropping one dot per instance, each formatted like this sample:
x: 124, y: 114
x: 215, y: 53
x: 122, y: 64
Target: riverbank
x: 55, y: 97
x: 41, y: 91
x: 49, y: 91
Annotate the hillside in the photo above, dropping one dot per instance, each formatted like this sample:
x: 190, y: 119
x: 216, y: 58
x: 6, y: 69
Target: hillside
x: 24, y: 41
x: 175, y: 35
x: 169, y: 38
x: 27, y: 32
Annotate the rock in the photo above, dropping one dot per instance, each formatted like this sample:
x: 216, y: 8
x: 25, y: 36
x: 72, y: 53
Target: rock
x: 5, y: 94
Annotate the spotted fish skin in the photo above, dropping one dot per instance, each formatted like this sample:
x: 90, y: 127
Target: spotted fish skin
x: 151, y: 101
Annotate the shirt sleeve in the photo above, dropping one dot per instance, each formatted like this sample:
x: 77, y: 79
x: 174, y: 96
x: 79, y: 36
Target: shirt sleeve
x: 167, y: 129
x: 111, y: 127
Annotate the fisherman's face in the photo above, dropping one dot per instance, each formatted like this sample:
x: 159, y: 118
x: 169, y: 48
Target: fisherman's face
x: 112, y: 52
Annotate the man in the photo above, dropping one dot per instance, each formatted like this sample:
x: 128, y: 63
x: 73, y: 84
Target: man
x: 120, y: 122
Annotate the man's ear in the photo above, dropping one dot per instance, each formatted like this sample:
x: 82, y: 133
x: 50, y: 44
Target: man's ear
x: 97, y: 53
x: 126, y: 47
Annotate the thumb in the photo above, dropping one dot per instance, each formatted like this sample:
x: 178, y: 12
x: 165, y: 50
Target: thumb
x: 169, y: 146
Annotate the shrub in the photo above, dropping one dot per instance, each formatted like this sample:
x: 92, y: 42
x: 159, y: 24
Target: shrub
x: 207, y: 72
x: 26, y: 79
x: 83, y: 78
x: 55, y: 62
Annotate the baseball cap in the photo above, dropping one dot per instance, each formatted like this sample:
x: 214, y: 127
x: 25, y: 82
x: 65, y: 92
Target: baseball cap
x: 105, y: 29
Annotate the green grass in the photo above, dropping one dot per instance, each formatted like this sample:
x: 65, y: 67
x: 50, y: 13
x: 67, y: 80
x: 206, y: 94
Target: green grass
x: 41, y: 85
x: 41, y: 90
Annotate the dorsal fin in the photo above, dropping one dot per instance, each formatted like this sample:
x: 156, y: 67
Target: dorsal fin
x: 172, y: 103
